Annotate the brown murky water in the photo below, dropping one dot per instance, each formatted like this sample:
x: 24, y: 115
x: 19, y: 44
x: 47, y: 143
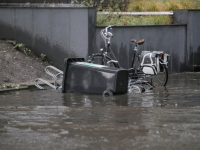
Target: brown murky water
x: 165, y: 118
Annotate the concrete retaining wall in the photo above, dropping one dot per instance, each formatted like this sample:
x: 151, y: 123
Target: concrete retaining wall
x: 168, y: 38
x: 180, y: 40
x: 191, y: 17
x: 71, y: 32
x: 56, y: 32
x: 193, y: 40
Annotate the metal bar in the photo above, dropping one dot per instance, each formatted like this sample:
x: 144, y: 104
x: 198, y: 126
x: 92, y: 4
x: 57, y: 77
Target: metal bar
x: 54, y: 68
x: 53, y: 75
x: 59, y: 75
x: 44, y: 81
x: 57, y: 84
x: 137, y: 13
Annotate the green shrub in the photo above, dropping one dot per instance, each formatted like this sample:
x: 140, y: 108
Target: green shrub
x: 43, y: 57
x: 21, y: 46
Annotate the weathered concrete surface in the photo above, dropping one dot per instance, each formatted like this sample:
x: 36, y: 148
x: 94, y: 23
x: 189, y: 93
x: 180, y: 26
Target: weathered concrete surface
x: 165, y: 118
x: 65, y: 32
x: 170, y: 39
x: 56, y: 32
x: 191, y: 17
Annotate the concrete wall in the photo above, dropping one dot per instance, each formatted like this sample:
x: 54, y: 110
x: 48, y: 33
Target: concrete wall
x: 180, y: 40
x: 192, y: 18
x: 38, y: 1
x: 71, y: 32
x: 34, y: 1
x: 96, y: 2
x: 56, y: 32
x: 193, y: 40
x: 168, y: 38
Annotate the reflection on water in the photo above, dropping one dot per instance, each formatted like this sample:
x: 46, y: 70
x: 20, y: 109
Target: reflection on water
x: 165, y: 118
x: 181, y: 91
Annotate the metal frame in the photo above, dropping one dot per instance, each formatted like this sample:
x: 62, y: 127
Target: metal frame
x: 57, y: 84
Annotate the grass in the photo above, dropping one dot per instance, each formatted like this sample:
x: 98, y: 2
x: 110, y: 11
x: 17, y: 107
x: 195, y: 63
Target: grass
x: 103, y: 20
x: 143, y: 6
x: 165, y: 5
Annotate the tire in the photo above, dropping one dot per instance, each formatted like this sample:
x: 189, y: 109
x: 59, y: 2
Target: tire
x: 107, y: 93
x: 145, y: 84
x: 161, y: 78
x: 103, y: 60
x: 136, y: 89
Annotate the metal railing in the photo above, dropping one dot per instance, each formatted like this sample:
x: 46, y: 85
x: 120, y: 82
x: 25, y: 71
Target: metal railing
x: 170, y: 13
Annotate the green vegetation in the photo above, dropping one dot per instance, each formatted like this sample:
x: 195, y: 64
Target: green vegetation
x: 165, y: 5
x: 132, y: 20
x: 6, y: 86
x: 89, y: 3
x: 43, y: 57
x: 21, y: 46
x: 143, y: 6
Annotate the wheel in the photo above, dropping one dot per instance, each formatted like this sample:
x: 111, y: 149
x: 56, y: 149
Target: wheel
x: 161, y: 78
x: 145, y: 84
x: 107, y: 93
x: 136, y: 89
x: 100, y: 59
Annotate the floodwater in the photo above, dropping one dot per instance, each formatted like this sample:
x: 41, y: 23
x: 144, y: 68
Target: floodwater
x: 165, y: 118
